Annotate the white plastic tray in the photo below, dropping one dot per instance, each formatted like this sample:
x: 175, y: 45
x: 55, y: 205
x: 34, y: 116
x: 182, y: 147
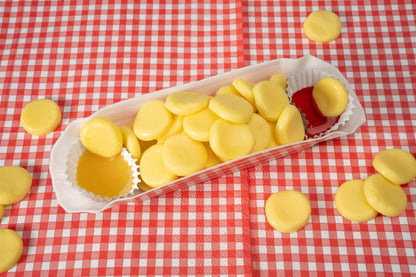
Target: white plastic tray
x: 122, y: 113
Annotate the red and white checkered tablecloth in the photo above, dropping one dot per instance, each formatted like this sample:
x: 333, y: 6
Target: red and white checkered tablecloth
x: 88, y: 55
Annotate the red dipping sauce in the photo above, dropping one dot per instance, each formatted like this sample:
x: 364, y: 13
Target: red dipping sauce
x: 317, y: 124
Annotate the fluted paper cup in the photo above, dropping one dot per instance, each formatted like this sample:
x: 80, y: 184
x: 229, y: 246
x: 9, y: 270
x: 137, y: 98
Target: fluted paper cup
x: 308, y: 78
x: 71, y: 172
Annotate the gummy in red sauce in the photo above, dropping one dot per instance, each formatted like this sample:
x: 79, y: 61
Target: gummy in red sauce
x: 317, y: 124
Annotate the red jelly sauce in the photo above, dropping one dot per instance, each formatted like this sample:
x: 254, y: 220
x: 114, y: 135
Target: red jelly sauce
x: 317, y: 124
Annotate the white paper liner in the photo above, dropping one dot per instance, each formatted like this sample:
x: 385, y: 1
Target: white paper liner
x: 72, y: 162
x: 308, y: 78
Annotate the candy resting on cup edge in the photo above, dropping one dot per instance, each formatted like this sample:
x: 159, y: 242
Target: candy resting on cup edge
x: 330, y: 96
x: 101, y: 137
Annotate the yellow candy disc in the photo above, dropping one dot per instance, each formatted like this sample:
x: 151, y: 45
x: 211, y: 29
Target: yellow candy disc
x: 232, y: 108
x: 144, y: 145
x: 351, y: 202
x: 152, y: 170
x: 279, y: 79
x: 197, y: 125
x: 287, y: 211
x: 385, y: 197
x: 186, y: 102
x: 130, y: 142
x: 144, y: 186
x: 273, y: 143
x: 212, y: 158
x: 183, y: 156
x: 289, y: 127
x: 227, y: 90
x: 175, y: 128
x: 152, y: 120
x: 270, y: 99
x: 15, y: 183
x: 230, y: 140
x: 322, y: 26
x: 11, y: 249
x: 2, y: 209
x: 330, y: 96
x: 101, y: 137
x: 245, y: 88
x: 40, y: 117
x: 261, y: 131
x: 396, y: 165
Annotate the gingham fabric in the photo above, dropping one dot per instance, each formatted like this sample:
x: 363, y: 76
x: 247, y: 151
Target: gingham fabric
x: 88, y: 55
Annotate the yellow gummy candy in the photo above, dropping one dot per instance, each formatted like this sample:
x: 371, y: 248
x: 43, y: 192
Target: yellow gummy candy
x: 15, y: 183
x: 144, y: 145
x: 230, y: 140
x: 175, y: 128
x: 279, y: 79
x: 232, y: 108
x: 152, y: 170
x: 270, y: 99
x: 101, y: 137
x: 289, y: 127
x: 287, y: 211
x: 212, y: 158
x: 183, y: 156
x: 144, y: 186
x: 261, y: 130
x: 385, y: 197
x: 197, y: 125
x: 330, y: 96
x: 152, y: 120
x: 273, y: 143
x: 396, y: 165
x: 11, y: 249
x: 186, y: 102
x: 2, y: 209
x: 227, y: 90
x: 351, y: 202
x: 40, y: 117
x: 245, y: 88
x: 322, y: 26
x: 130, y: 142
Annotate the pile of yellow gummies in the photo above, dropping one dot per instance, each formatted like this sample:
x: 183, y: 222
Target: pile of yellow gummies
x: 363, y: 200
x: 189, y: 131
